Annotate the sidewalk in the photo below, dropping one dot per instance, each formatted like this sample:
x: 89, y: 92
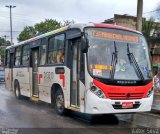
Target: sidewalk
x: 156, y: 103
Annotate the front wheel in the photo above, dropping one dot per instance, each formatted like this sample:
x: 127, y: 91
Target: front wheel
x: 17, y: 90
x: 59, y: 103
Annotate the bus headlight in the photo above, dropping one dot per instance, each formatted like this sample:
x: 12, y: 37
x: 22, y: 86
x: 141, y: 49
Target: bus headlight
x: 150, y: 92
x: 97, y: 91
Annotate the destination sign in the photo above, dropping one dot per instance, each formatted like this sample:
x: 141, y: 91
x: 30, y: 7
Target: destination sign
x: 116, y: 36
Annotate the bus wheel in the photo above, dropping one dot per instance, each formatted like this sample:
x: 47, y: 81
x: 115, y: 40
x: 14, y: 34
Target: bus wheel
x: 59, y: 103
x: 17, y: 90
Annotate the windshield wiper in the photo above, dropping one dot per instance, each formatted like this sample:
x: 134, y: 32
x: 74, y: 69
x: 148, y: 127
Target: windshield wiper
x: 114, y: 61
x: 134, y: 63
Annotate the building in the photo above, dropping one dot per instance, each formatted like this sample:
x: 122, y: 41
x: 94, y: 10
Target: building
x: 123, y: 20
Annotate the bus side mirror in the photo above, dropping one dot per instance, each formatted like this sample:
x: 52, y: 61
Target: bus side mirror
x: 84, y: 45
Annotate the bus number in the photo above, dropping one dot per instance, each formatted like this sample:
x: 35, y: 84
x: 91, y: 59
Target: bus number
x: 48, y: 76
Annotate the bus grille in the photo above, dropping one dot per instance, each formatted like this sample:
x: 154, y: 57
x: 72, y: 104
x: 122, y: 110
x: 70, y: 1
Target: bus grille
x: 125, y: 96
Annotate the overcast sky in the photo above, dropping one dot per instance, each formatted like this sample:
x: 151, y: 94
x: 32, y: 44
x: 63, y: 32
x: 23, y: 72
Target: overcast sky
x: 29, y: 12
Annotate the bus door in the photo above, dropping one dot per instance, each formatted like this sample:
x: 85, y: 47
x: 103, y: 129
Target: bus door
x: 75, y: 73
x: 35, y: 58
x: 11, y: 70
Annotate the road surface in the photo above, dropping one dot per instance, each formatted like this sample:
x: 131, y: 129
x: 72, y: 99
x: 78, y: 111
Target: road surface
x: 25, y: 116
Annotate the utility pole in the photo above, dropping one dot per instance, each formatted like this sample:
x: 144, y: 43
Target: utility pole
x: 10, y: 7
x: 139, y: 14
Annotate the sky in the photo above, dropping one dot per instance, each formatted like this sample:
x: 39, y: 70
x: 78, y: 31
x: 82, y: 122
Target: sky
x: 29, y: 12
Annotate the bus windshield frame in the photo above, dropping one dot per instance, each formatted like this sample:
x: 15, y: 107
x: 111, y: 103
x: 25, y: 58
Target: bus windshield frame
x: 114, y: 44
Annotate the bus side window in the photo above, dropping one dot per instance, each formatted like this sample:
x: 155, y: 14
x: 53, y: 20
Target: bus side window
x: 17, y: 56
x: 43, y: 52
x: 56, y: 49
x: 25, y: 55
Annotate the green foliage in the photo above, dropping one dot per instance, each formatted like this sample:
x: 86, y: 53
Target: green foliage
x: 41, y: 28
x: 3, y: 42
x: 3, y: 45
x: 147, y: 27
x: 27, y: 33
x: 2, y: 52
x: 157, y: 30
x: 46, y: 26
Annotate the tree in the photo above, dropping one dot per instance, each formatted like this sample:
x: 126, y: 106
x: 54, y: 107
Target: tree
x: 3, y: 45
x: 46, y: 26
x: 27, y: 33
x: 2, y: 55
x: 4, y: 42
x: 67, y: 22
x: 147, y: 27
x: 41, y: 28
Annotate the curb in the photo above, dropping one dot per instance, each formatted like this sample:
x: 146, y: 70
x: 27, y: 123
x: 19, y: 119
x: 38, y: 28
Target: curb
x: 156, y: 94
x: 155, y: 111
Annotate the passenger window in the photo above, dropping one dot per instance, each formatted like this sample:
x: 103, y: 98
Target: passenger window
x: 56, y: 49
x: 17, y: 56
x: 43, y: 52
x: 25, y: 55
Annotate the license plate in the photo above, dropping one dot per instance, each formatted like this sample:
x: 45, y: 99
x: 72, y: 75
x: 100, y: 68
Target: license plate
x: 127, y: 104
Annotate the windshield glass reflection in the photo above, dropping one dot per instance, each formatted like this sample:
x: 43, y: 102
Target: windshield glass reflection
x: 103, y: 51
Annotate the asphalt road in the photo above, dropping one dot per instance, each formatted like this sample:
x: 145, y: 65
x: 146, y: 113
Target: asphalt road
x: 25, y: 116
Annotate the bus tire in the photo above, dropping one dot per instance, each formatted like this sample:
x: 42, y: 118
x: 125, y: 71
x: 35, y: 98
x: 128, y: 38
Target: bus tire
x: 59, y: 103
x: 17, y: 90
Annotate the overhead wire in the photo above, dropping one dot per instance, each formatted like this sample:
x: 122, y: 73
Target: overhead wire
x: 19, y: 15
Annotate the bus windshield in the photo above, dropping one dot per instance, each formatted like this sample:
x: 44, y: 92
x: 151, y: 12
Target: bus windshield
x: 117, y: 54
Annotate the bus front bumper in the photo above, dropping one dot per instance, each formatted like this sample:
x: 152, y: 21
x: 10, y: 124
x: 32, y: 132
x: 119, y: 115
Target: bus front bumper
x: 96, y: 105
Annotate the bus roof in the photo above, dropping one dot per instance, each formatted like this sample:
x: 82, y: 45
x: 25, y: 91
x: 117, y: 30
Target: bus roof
x: 79, y: 26
x: 115, y: 27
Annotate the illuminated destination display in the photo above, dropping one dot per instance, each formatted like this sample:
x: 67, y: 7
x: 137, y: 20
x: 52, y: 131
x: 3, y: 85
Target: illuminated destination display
x: 116, y: 36
x: 101, y: 67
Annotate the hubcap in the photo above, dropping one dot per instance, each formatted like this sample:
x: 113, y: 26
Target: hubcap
x: 60, y: 103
